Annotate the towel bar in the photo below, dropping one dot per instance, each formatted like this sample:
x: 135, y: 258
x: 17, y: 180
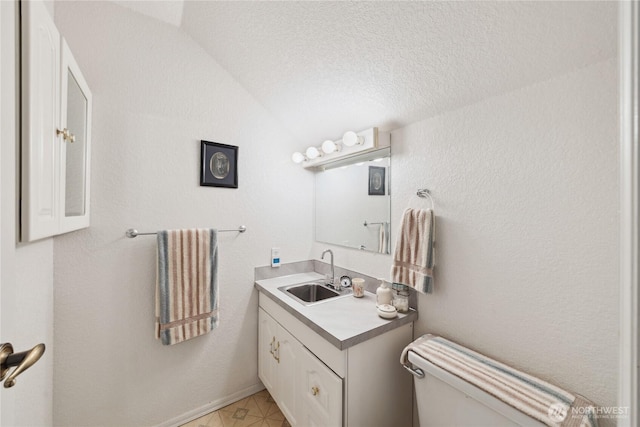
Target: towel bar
x: 417, y: 372
x: 426, y: 194
x: 132, y: 232
x: 373, y: 223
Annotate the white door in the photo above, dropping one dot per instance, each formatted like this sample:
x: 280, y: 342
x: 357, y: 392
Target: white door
x: 321, y: 392
x: 267, y: 364
x: 22, y: 314
x: 288, y: 354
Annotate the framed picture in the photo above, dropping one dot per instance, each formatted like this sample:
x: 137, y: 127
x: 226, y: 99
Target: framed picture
x: 218, y: 165
x: 376, y: 180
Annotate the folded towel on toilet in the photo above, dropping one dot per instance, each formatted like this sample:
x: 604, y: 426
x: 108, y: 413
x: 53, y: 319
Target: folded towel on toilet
x: 413, y: 258
x: 186, y: 285
x: 545, y: 402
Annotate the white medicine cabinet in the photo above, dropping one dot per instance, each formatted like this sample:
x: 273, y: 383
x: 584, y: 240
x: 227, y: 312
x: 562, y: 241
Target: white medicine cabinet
x: 56, y: 130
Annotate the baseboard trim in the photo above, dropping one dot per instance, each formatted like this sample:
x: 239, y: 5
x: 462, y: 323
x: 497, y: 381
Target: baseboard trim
x: 212, y: 406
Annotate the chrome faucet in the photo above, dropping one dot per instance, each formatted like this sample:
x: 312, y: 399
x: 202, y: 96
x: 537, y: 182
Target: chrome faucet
x: 335, y: 285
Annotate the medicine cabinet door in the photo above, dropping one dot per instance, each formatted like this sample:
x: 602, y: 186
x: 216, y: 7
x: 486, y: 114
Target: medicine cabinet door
x: 40, y: 121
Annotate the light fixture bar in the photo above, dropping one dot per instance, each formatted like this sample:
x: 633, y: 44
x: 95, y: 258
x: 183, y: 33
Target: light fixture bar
x: 367, y: 140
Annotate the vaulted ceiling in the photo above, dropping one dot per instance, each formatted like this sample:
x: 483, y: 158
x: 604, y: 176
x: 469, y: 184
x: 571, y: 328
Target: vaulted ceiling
x: 325, y: 67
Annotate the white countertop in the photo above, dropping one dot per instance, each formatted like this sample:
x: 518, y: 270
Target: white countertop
x: 343, y: 321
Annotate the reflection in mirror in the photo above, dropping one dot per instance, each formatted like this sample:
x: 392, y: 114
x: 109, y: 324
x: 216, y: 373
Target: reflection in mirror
x: 75, y: 151
x: 353, y: 204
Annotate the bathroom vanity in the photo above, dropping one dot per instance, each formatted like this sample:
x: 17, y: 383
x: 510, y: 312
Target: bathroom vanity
x: 334, y: 362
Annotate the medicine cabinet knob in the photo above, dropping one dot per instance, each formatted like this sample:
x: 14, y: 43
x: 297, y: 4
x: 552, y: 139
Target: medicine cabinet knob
x: 66, y: 135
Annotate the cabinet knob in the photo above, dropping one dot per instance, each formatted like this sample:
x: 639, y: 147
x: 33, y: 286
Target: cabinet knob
x: 315, y: 390
x: 66, y: 135
x: 64, y: 132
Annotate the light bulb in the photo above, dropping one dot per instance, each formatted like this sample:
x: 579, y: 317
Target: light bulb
x: 297, y: 157
x: 312, y: 153
x: 329, y: 146
x: 350, y: 138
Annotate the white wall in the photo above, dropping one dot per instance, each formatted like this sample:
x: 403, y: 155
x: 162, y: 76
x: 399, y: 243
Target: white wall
x: 526, y: 193
x: 156, y: 94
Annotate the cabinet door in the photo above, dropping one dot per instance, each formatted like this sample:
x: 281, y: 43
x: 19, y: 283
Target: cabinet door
x: 267, y: 363
x: 288, y: 353
x: 75, y: 149
x: 321, y: 392
x: 40, y: 120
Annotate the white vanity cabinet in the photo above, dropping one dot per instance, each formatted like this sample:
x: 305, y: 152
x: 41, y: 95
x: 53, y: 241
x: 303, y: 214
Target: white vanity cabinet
x: 317, y: 384
x: 56, y: 130
x: 279, y: 364
x: 320, y: 393
x: 307, y: 392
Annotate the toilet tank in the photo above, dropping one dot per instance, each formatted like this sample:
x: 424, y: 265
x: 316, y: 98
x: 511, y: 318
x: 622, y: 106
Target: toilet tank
x: 444, y: 400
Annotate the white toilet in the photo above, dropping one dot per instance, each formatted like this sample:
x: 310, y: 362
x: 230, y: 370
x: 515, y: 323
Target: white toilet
x: 445, y: 400
x: 456, y: 386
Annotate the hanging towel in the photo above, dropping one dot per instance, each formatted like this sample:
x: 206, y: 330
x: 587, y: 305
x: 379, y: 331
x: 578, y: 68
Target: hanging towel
x: 383, y: 238
x: 187, y: 284
x: 414, y: 258
x: 545, y: 402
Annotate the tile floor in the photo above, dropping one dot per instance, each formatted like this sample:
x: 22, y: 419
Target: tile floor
x: 257, y: 410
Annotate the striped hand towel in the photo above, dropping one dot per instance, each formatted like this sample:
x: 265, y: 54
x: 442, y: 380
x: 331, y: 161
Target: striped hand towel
x: 413, y: 259
x: 540, y: 400
x: 383, y: 238
x: 186, y: 285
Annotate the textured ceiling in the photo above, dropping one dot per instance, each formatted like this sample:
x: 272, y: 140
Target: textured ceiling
x: 325, y: 67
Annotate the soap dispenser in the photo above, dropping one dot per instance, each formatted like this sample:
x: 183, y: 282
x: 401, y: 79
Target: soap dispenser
x: 384, y: 294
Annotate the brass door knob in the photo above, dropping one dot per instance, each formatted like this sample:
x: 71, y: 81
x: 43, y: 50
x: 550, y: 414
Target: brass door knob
x: 23, y: 361
x: 315, y: 390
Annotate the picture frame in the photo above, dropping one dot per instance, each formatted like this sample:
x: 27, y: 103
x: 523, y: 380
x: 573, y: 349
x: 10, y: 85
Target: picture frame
x: 377, y: 179
x: 218, y: 165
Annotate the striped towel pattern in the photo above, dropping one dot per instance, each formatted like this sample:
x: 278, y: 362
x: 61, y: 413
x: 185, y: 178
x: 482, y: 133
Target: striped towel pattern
x: 414, y: 258
x: 186, y: 285
x: 538, y: 399
x: 383, y: 238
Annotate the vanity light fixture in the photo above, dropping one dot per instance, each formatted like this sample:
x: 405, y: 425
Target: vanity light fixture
x: 329, y: 146
x: 350, y: 138
x: 298, y: 157
x: 313, y: 153
x: 351, y: 144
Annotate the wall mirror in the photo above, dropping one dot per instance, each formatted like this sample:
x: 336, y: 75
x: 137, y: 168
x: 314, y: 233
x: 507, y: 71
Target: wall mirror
x: 353, y: 203
x: 76, y: 146
x: 75, y: 152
